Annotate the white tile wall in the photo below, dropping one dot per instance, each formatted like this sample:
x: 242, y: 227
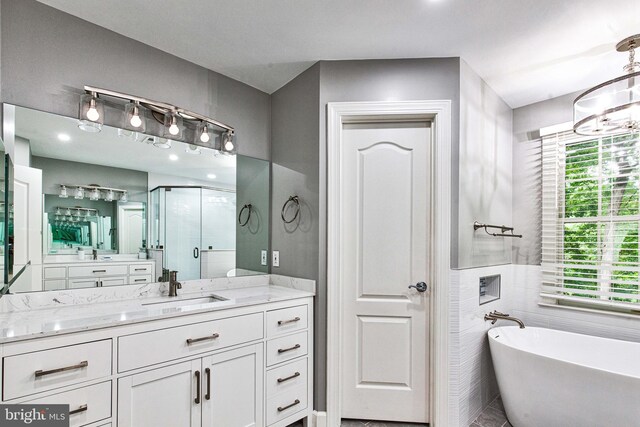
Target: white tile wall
x: 472, y: 380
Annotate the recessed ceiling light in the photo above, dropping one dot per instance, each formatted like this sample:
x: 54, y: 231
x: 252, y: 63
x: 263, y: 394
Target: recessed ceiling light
x: 64, y: 137
x: 173, y: 157
x: 211, y: 176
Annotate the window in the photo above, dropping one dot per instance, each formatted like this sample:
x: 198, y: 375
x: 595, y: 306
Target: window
x: 590, y: 218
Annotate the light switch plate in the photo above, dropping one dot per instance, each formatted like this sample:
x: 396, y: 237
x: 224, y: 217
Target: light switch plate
x: 263, y: 258
x: 275, y: 261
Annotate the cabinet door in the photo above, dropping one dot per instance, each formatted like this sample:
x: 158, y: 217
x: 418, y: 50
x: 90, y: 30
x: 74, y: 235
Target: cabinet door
x: 164, y: 397
x: 113, y: 281
x: 232, y: 388
x: 83, y: 283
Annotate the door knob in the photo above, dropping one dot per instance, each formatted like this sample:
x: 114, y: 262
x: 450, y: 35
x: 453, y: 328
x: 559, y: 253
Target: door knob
x: 420, y: 287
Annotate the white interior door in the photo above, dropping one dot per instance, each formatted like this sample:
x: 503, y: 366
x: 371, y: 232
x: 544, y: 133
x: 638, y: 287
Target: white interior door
x: 131, y: 226
x: 384, y: 242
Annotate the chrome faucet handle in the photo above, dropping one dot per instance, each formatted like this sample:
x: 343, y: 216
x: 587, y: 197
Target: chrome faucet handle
x: 497, y: 313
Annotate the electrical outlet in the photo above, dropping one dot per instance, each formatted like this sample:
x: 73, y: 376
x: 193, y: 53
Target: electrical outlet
x: 263, y: 258
x: 275, y: 261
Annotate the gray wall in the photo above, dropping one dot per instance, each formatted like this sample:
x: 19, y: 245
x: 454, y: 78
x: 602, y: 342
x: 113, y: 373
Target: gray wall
x: 56, y: 172
x: 527, y: 172
x: 484, y: 164
x: 47, y: 56
x: 252, y: 186
x: 295, y: 115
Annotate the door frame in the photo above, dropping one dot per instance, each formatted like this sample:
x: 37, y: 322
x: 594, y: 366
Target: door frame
x: 438, y: 113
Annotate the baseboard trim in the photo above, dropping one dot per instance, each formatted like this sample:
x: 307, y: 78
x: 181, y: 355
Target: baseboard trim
x: 319, y: 419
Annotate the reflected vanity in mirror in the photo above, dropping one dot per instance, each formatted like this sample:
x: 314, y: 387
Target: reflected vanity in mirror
x: 120, y: 207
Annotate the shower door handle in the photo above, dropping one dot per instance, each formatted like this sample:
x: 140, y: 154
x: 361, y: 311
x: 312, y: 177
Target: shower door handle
x: 196, y: 252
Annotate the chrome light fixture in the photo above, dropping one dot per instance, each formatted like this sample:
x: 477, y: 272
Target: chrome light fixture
x: 91, y: 113
x: 172, y: 125
x: 227, y: 144
x: 614, y: 106
x: 202, y: 133
x: 110, y: 195
x: 63, y: 192
x: 124, y: 198
x: 133, y: 118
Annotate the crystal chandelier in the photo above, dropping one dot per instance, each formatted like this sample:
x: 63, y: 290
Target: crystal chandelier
x: 614, y: 106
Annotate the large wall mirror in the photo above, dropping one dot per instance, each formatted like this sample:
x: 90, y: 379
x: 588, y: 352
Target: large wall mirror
x: 118, y: 207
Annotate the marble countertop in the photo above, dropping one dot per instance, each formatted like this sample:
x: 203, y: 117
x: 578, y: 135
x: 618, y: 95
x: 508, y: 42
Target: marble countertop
x: 41, y: 322
x: 75, y: 260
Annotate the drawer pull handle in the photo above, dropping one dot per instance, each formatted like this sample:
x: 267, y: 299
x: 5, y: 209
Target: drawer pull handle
x: 197, y: 399
x: 284, y: 350
x: 140, y: 280
x: 284, y: 408
x: 80, y: 365
x: 281, y: 380
x: 141, y: 269
x: 208, y: 395
x: 82, y: 408
x: 284, y: 322
x: 99, y: 271
x: 195, y: 340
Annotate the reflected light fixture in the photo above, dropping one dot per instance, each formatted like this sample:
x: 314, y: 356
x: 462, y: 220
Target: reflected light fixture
x: 161, y: 142
x: 63, y: 192
x: 94, y: 194
x: 193, y: 149
x: 109, y: 197
x: 124, y: 198
x: 79, y: 193
x: 612, y: 107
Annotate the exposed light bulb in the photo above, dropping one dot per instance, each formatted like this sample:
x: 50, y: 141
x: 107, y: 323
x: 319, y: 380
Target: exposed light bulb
x: 228, y: 145
x: 204, y: 136
x: 92, y: 114
x: 135, y: 121
x: 174, y: 129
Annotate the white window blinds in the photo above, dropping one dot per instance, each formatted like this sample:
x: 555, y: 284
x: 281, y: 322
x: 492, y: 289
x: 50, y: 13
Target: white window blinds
x: 590, y: 217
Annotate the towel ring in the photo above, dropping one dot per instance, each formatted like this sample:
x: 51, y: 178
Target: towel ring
x: 242, y: 224
x: 292, y: 199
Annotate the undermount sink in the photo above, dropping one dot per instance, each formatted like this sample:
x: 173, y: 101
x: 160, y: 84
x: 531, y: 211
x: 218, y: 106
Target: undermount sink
x: 186, y: 301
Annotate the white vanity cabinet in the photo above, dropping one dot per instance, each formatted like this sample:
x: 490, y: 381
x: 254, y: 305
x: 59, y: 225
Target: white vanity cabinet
x: 237, y: 367
x: 97, y: 274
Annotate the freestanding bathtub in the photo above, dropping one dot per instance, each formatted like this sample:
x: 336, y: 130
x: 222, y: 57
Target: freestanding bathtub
x: 549, y: 378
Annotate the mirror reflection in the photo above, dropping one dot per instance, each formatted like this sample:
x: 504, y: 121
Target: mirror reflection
x: 121, y: 208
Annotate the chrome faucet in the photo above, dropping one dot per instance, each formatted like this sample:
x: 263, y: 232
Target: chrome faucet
x: 174, y: 285
x: 495, y: 315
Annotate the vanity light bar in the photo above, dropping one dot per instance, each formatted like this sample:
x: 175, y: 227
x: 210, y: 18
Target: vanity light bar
x: 161, y: 107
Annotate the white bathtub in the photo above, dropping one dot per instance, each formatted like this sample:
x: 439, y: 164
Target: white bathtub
x: 550, y: 378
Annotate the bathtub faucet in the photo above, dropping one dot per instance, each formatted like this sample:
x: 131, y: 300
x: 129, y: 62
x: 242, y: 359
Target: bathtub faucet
x: 495, y: 315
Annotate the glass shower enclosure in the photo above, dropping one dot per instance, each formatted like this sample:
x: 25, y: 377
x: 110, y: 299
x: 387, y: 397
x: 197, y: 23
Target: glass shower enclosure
x: 188, y: 222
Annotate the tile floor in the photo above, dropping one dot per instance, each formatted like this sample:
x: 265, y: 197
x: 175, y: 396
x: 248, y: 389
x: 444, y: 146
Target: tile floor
x: 492, y: 416
x: 358, y: 423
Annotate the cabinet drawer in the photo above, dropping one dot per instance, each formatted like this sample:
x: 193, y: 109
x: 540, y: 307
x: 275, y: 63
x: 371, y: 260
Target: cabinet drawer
x: 90, y: 404
x: 148, y: 348
x: 285, y: 378
x: 51, y: 285
x: 30, y: 373
x: 113, y: 281
x: 286, y: 320
x: 286, y: 404
x: 98, y: 271
x: 55, y: 272
x: 140, y: 269
x: 286, y: 348
x: 140, y: 280
x: 83, y: 283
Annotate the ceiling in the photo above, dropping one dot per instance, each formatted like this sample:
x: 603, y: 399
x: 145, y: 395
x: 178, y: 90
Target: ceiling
x: 106, y: 148
x: 526, y: 50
